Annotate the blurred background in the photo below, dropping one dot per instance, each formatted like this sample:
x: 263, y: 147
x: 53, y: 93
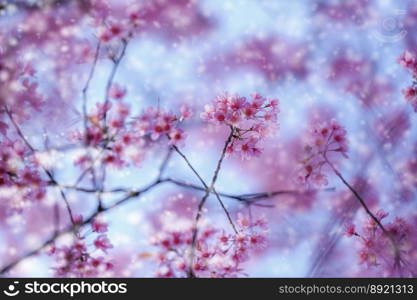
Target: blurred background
x: 321, y: 59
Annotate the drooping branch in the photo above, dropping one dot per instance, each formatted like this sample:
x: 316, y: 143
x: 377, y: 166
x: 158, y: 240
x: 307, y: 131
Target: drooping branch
x: 191, y: 167
x: 203, y: 201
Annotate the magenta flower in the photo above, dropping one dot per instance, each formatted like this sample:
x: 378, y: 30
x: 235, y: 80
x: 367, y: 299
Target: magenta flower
x: 99, y: 226
x: 325, y: 141
x: 251, y: 121
x: 102, y: 242
x: 117, y: 92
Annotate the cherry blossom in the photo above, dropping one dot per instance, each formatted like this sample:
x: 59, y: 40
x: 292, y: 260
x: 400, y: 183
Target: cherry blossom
x: 99, y: 226
x: 218, y: 254
x: 75, y: 260
x: 375, y: 249
x: 251, y: 120
x: 117, y: 92
x: 326, y: 140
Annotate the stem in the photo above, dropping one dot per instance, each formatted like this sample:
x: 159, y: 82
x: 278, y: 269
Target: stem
x: 365, y: 206
x: 204, y: 199
x: 111, y: 78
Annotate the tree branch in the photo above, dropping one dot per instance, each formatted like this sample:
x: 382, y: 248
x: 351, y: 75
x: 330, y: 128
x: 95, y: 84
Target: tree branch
x: 367, y: 210
x: 75, y: 227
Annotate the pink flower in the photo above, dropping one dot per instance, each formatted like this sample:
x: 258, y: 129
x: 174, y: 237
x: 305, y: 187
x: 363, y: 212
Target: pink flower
x: 78, y: 219
x: 381, y: 214
x: 408, y: 60
x: 76, y: 261
x: 220, y: 116
x: 103, y: 243
x: 99, y: 226
x: 158, y: 123
x: 257, y: 241
x: 217, y: 253
x: 110, y: 32
x: 350, y: 230
x: 115, y: 29
x: 376, y: 249
x: 238, y: 103
x: 117, y: 92
x: 207, y: 115
x: 243, y: 220
x: 177, y: 136
x: 251, y: 120
x: 102, y: 109
x: 185, y: 112
x: 248, y: 149
x: 320, y: 179
x: 105, y: 36
x: 325, y: 141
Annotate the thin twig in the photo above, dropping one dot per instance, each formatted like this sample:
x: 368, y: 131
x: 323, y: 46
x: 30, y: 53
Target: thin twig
x: 85, y: 90
x: 366, y: 208
x: 164, y: 163
x: 203, y: 201
x: 191, y: 166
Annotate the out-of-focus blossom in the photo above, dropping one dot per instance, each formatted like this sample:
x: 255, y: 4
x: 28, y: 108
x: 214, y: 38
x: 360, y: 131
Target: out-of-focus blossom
x: 217, y: 253
x: 325, y: 140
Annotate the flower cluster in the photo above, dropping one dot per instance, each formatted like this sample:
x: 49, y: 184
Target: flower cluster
x: 325, y: 140
x: 250, y: 119
x: 107, y: 129
x: 110, y: 28
x: 76, y: 260
x: 156, y: 123
x: 377, y: 251
x: 217, y: 253
x: 409, y: 61
x: 123, y: 140
x: 20, y: 179
x: 19, y: 91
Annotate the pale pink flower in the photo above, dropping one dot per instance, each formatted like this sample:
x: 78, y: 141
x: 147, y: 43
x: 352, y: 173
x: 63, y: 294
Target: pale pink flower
x: 117, y: 92
x: 185, y: 112
x: 102, y: 242
x: 99, y: 226
x: 177, y: 136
